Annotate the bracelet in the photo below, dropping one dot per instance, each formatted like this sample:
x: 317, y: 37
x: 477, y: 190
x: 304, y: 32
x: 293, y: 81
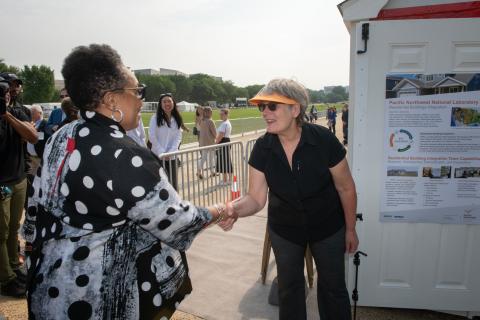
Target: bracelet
x: 220, y: 211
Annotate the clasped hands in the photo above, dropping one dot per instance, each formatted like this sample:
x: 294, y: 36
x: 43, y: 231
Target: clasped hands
x: 229, y: 218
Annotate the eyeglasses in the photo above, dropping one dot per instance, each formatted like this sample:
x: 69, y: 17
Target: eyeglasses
x: 270, y: 106
x: 139, y: 91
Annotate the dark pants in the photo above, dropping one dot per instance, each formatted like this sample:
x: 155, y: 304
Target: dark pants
x: 332, y: 295
x: 11, y: 210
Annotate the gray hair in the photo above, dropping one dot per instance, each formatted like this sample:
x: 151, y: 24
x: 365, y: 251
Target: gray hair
x: 36, y: 107
x: 291, y: 89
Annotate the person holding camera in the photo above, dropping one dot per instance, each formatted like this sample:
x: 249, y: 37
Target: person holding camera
x: 15, y: 128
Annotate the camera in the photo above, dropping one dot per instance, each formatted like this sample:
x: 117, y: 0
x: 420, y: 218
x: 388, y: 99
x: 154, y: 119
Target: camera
x: 5, y: 192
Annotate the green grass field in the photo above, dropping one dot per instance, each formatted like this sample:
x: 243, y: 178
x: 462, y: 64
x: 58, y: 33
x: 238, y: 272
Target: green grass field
x: 242, y: 119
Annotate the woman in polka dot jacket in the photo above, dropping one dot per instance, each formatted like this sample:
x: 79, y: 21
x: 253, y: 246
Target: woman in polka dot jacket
x: 108, y: 230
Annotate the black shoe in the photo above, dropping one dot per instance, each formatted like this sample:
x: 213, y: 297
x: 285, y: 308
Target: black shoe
x: 21, y: 275
x: 13, y: 288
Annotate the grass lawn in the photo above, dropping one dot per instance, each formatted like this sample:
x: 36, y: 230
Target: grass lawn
x: 242, y: 119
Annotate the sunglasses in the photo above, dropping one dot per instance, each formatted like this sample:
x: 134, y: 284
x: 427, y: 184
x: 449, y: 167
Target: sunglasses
x: 168, y: 94
x: 270, y: 106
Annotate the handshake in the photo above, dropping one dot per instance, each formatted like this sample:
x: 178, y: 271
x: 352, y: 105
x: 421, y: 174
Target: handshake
x: 226, y: 216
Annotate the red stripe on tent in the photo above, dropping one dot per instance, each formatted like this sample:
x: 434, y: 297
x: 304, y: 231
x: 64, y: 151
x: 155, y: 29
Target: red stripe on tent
x: 451, y: 10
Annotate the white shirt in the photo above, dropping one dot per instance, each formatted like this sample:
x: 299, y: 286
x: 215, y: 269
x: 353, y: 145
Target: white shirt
x: 226, y: 128
x: 41, y: 136
x: 138, y: 134
x: 164, y: 138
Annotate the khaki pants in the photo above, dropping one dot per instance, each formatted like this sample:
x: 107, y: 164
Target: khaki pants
x: 11, y: 210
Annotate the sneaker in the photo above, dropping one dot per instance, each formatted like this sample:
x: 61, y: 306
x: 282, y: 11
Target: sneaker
x: 13, y: 288
x: 21, y: 275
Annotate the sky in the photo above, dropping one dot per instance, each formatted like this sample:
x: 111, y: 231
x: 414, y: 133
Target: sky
x: 245, y: 41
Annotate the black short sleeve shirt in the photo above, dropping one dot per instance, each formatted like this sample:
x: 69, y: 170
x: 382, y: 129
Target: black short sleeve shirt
x: 12, y: 155
x: 303, y: 202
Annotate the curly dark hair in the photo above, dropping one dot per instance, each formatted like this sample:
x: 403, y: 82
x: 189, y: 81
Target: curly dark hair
x: 162, y: 117
x: 91, y: 71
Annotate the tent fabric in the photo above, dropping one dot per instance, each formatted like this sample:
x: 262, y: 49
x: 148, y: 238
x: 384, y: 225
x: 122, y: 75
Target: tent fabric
x: 186, y: 106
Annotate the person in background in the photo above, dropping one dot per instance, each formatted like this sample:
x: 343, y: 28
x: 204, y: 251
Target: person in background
x: 332, y: 119
x: 138, y: 133
x: 224, y: 163
x: 198, y: 121
x: 57, y: 115
x: 70, y: 111
x: 313, y: 114
x: 36, y: 150
x: 312, y: 201
x: 15, y: 128
x: 16, y: 88
x: 165, y: 134
x: 108, y: 231
x: 345, y: 124
x: 206, y: 138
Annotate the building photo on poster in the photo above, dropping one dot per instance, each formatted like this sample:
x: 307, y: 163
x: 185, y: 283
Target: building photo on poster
x: 431, y: 167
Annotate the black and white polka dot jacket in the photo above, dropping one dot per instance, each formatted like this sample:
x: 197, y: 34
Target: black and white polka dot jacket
x: 107, y: 229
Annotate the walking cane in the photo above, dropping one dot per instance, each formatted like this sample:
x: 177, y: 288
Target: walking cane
x: 356, y: 262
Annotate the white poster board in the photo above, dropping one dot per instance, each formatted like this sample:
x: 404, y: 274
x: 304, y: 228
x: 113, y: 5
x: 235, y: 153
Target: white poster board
x: 431, y: 169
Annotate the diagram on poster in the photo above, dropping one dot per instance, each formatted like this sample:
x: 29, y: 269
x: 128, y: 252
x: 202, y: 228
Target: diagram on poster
x: 431, y: 169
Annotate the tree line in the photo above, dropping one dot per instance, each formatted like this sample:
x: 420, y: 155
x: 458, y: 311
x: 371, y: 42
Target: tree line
x: 38, y: 86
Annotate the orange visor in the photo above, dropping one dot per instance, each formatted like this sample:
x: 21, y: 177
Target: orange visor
x: 273, y: 97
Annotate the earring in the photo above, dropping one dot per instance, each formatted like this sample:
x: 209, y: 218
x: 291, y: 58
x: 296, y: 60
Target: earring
x: 113, y: 115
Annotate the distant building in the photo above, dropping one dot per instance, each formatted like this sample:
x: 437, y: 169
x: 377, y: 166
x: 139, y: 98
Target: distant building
x: 59, y: 84
x: 329, y: 89
x: 147, y: 72
x: 241, y: 102
x: 171, y: 72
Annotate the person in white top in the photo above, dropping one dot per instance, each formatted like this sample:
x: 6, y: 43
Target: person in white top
x: 224, y: 164
x: 165, y: 134
x: 138, y: 134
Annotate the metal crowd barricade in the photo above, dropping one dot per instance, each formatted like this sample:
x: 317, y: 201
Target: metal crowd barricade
x: 211, y: 188
x: 248, y: 151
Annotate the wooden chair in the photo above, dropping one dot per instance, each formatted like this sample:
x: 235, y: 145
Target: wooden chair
x: 267, y: 246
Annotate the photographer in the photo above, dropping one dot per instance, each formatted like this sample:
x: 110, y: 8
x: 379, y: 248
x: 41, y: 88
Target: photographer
x: 15, y: 127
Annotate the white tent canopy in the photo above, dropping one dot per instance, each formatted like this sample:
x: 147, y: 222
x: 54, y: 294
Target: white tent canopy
x: 186, y: 106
